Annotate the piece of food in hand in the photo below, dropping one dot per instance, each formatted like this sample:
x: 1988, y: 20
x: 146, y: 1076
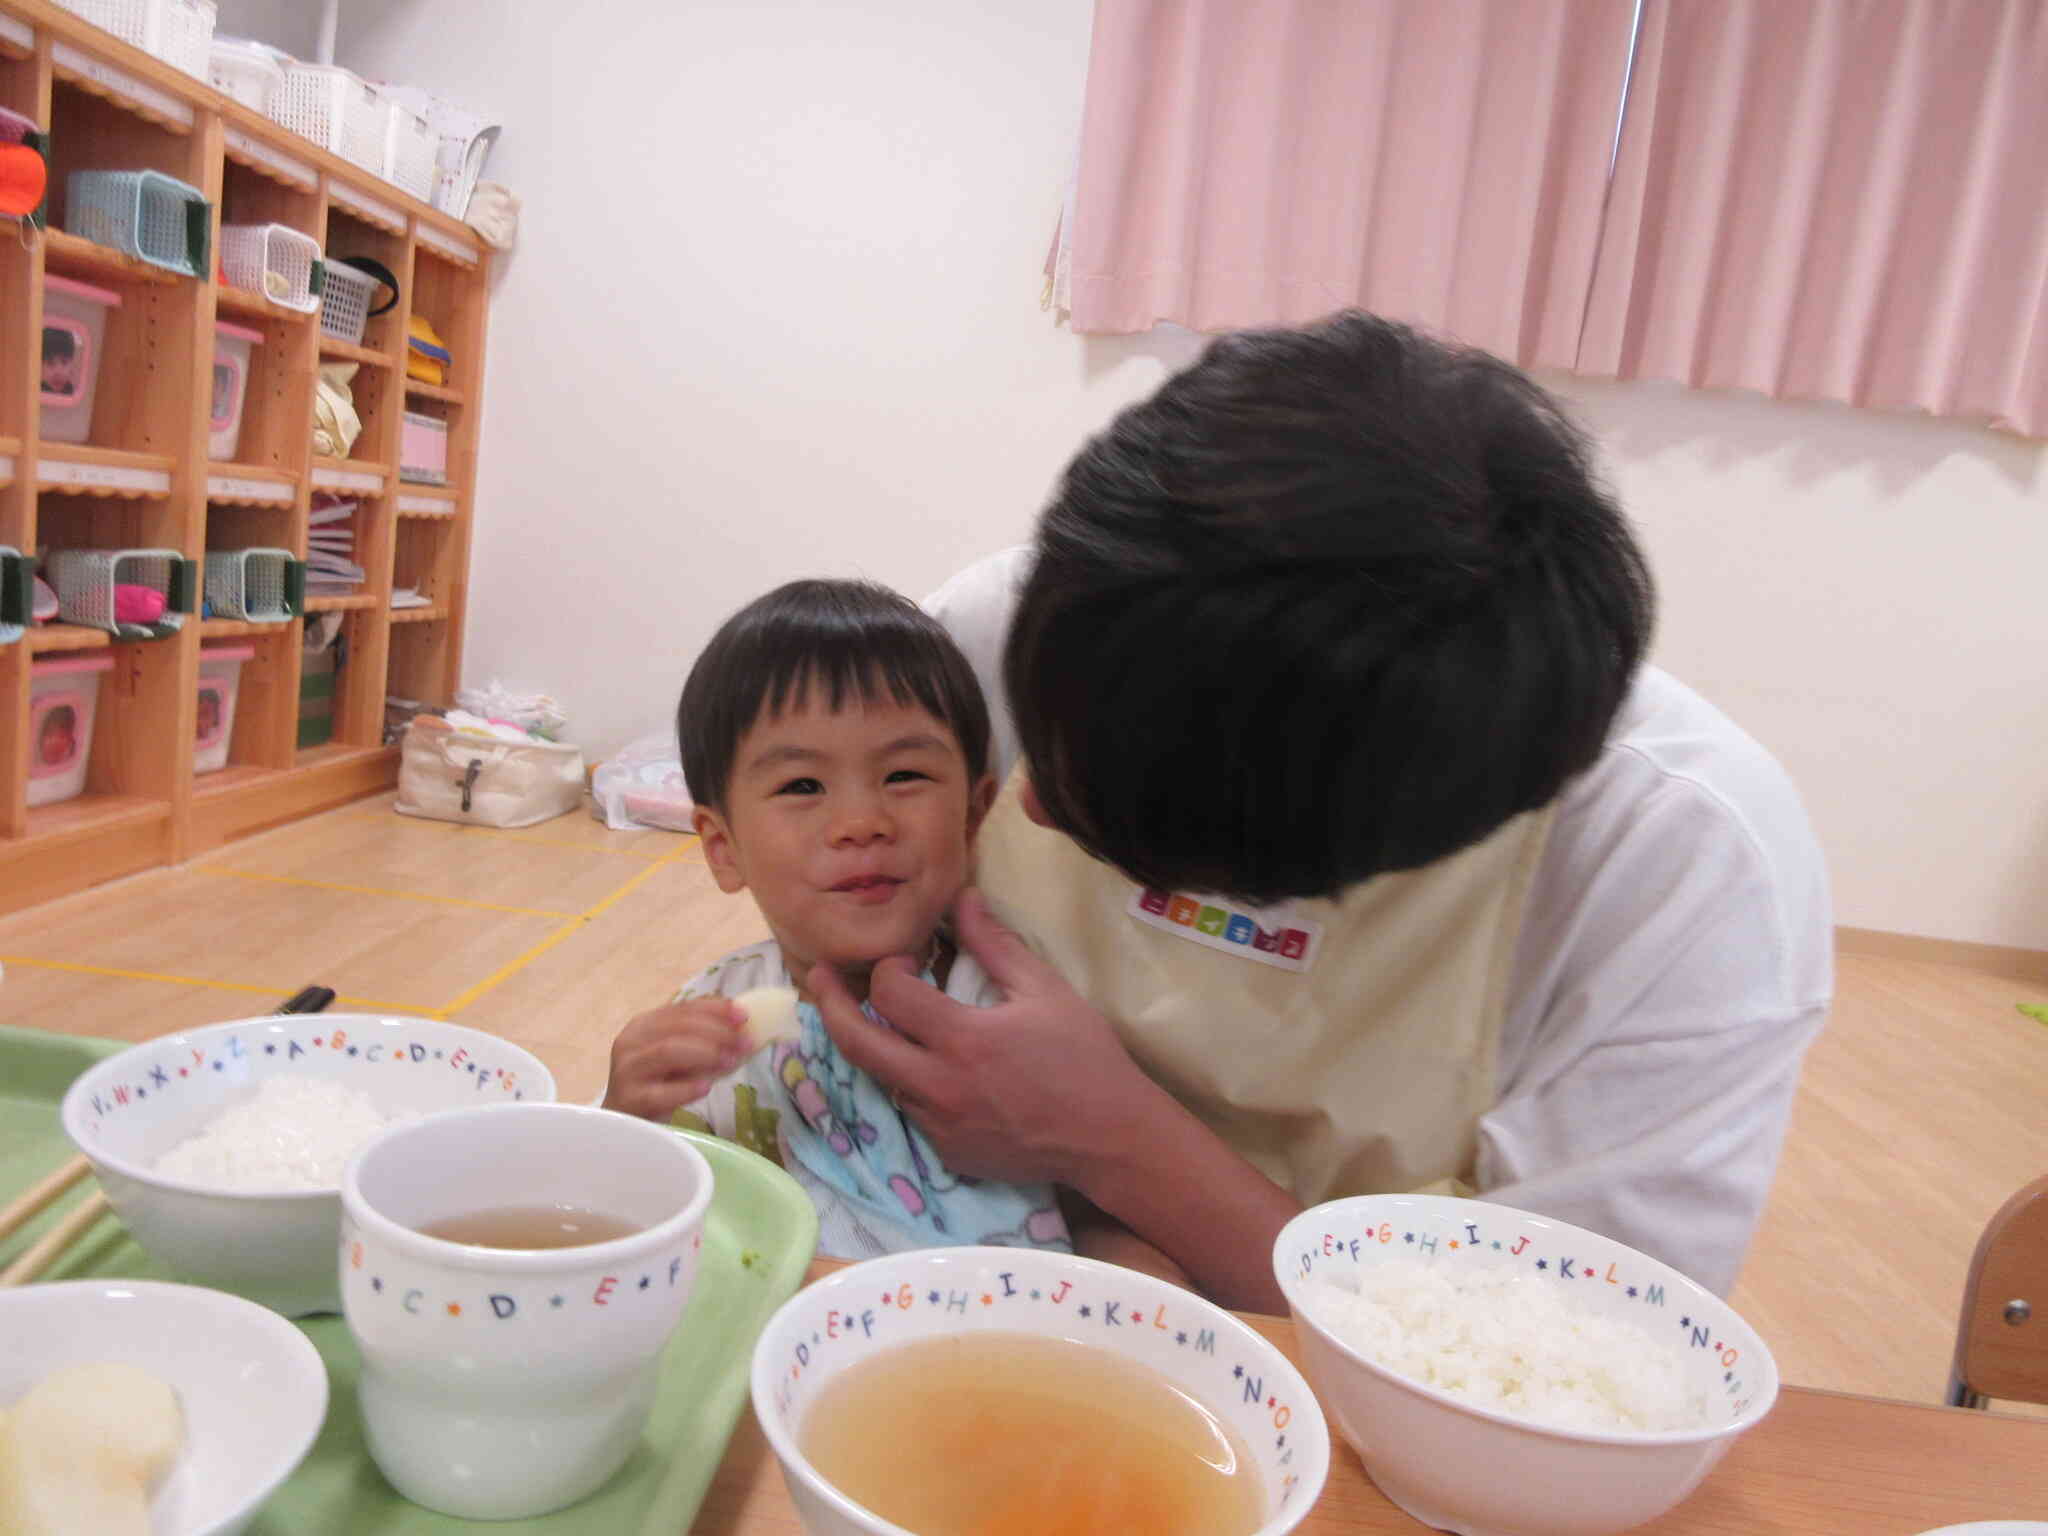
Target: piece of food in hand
x: 84, y: 1449
x: 771, y: 1015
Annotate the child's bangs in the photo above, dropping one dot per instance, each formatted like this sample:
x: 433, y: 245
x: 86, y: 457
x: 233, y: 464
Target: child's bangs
x: 835, y: 677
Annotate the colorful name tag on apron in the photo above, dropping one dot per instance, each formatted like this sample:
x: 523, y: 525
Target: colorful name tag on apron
x: 1272, y: 937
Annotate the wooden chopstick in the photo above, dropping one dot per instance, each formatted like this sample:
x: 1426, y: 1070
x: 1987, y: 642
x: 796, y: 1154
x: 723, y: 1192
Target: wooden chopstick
x: 41, y: 1194
x: 54, y: 1241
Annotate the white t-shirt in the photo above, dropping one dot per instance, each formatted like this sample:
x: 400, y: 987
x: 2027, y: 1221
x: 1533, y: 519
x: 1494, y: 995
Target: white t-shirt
x: 1675, y: 960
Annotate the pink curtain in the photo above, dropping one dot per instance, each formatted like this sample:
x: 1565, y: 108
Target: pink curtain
x: 1259, y: 162
x: 1825, y: 199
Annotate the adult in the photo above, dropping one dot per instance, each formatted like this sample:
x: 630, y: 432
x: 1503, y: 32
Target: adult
x: 1353, y: 848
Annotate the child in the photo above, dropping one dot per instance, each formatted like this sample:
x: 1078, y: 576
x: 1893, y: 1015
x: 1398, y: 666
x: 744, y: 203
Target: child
x: 60, y: 365
x: 59, y: 740
x: 836, y: 745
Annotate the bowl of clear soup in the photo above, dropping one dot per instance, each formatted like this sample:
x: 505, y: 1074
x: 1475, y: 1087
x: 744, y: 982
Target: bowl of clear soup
x: 1014, y: 1392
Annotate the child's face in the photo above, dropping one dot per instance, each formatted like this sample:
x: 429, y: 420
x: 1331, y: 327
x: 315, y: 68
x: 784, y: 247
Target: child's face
x: 851, y: 828
x: 57, y: 739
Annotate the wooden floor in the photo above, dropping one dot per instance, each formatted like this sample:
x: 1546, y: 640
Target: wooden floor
x: 1924, y: 1105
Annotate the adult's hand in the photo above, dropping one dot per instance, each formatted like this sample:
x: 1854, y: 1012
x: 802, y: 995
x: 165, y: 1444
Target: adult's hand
x: 1037, y: 1087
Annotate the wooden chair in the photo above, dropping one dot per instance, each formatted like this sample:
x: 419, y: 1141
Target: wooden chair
x: 2002, y: 1340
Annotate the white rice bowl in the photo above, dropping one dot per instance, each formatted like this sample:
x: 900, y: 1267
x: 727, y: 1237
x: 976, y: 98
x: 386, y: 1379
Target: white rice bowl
x: 1500, y: 1372
x: 217, y: 1217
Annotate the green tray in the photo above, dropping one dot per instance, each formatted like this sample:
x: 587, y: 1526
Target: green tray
x: 758, y: 1241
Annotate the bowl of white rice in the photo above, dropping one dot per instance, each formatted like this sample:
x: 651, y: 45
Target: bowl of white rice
x: 1503, y: 1374
x: 221, y: 1149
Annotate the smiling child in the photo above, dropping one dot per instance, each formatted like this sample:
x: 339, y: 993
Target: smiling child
x: 836, y: 745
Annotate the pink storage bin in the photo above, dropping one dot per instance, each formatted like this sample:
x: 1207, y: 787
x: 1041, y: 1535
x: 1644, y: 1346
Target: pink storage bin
x: 63, y: 701
x: 74, y: 329
x: 423, y: 449
x: 233, y: 345
x: 220, y: 681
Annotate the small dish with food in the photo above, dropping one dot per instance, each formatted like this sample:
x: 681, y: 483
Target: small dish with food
x: 137, y: 1408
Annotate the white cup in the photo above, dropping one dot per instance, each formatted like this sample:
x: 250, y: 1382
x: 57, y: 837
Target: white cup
x: 501, y: 1383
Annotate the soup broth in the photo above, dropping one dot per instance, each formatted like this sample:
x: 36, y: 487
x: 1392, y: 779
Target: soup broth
x: 531, y: 1226
x: 1009, y: 1434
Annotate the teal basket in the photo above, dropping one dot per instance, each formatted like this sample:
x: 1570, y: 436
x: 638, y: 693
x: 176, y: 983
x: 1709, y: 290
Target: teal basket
x: 17, y: 593
x: 264, y: 586
x: 153, y: 217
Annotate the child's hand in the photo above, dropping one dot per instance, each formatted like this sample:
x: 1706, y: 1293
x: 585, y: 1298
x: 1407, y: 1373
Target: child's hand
x: 670, y: 1056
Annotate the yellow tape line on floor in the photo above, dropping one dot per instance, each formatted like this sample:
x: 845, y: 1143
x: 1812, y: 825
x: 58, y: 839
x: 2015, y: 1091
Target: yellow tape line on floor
x: 572, y: 923
x: 575, y: 925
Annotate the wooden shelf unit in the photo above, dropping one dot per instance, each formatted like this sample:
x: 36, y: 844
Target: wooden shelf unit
x: 145, y: 480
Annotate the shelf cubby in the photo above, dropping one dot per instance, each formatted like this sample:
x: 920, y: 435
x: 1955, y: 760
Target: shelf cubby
x: 146, y: 477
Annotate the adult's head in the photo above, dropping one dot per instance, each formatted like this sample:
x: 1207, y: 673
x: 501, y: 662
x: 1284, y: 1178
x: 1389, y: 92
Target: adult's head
x: 1335, y: 601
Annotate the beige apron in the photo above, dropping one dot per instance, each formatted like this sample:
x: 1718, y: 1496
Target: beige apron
x: 1342, y: 1047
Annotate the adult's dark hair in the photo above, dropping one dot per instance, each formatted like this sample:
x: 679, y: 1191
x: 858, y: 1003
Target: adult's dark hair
x: 1335, y: 601
x: 848, y: 638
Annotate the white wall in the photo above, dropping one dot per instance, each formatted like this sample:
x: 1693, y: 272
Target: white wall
x: 1864, y: 593
x: 773, y: 312
x: 293, y: 25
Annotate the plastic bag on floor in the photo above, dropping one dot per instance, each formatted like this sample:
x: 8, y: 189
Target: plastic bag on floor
x: 536, y: 713
x: 641, y: 785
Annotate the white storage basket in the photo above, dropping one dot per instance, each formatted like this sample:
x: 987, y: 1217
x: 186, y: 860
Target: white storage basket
x: 335, y: 109
x: 180, y: 32
x: 273, y: 260
x: 345, y: 301
x: 263, y: 586
x: 410, y: 146
x: 462, y: 142
x: 85, y: 580
x: 247, y: 71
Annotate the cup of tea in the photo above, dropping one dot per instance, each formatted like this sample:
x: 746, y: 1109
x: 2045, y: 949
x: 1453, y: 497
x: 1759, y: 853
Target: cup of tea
x: 510, y: 1275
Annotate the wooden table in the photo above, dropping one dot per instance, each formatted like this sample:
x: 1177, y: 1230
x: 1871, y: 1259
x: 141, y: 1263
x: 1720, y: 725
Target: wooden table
x: 1822, y: 1464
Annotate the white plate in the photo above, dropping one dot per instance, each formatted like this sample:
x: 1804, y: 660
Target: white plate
x: 1993, y: 1528
x: 253, y: 1388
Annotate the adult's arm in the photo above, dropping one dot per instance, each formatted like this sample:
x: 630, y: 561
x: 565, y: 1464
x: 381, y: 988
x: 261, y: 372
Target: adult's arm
x: 1675, y: 963
x: 1039, y: 1087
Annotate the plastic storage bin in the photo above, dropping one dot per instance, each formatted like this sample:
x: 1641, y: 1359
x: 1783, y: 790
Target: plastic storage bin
x: 345, y: 294
x: 74, y: 329
x: 151, y: 216
x: 341, y: 113
x: 179, y: 32
x: 233, y: 346
x: 319, y: 670
x: 423, y: 449
x: 63, y: 699
x: 220, y: 680
x: 273, y: 260
x: 263, y: 586
x: 248, y: 71
x: 410, y: 149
